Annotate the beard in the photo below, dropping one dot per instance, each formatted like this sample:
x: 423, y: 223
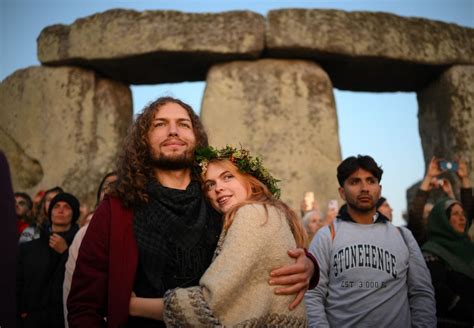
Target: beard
x: 360, y: 208
x: 172, y: 163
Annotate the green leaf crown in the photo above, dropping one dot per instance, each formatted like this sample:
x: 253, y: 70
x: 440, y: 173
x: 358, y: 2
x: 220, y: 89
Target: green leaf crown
x: 244, y: 162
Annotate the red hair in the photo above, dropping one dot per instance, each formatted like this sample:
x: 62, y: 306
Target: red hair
x: 258, y: 193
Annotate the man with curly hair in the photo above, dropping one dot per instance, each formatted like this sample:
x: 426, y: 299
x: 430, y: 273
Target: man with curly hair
x: 156, y: 231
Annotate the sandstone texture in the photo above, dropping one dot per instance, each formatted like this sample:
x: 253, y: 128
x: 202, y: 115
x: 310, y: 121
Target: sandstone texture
x: 369, y: 51
x: 62, y: 127
x: 445, y: 117
x: 284, y: 111
x: 152, y: 47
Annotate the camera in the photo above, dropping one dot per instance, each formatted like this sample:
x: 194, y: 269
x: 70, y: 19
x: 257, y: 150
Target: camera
x: 448, y: 165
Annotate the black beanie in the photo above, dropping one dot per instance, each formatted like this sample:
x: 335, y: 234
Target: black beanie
x: 68, y: 198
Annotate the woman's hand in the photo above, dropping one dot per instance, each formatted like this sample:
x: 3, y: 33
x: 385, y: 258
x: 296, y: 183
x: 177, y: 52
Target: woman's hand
x: 295, y: 276
x: 57, y: 243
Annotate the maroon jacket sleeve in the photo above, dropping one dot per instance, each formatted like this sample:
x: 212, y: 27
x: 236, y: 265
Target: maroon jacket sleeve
x: 87, y: 301
x: 315, y: 278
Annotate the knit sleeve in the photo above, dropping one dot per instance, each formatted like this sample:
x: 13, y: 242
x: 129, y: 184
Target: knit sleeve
x: 234, y: 290
x: 315, y: 299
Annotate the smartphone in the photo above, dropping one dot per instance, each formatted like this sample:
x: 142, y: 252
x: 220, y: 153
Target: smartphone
x: 448, y: 165
x: 309, y: 200
x: 332, y: 204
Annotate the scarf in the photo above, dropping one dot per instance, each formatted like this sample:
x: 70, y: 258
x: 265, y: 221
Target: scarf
x: 454, y: 248
x: 176, y: 233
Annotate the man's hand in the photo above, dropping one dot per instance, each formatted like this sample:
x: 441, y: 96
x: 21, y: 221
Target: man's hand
x: 295, y: 276
x: 151, y: 308
x: 57, y: 243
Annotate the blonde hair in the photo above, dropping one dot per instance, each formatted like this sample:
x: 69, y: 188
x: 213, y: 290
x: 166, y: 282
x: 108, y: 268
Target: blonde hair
x: 258, y: 193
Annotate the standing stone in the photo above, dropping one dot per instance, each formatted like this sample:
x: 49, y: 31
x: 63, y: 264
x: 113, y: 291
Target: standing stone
x: 283, y: 110
x: 370, y: 51
x: 153, y: 46
x: 62, y: 127
x: 445, y: 117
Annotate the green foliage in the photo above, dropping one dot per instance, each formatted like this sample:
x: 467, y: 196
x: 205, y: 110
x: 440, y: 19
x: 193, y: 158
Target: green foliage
x: 244, y: 162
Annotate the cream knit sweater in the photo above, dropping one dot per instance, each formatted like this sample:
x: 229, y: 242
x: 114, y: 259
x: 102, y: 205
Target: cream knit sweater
x: 234, y: 291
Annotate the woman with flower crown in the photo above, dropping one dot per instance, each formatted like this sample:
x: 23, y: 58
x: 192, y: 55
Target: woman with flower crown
x: 258, y: 230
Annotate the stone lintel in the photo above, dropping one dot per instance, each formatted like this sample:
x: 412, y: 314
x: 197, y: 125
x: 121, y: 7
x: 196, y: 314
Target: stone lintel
x: 369, y: 51
x: 152, y: 47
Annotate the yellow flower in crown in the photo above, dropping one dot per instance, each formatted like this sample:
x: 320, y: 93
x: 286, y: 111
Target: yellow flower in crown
x: 244, y: 162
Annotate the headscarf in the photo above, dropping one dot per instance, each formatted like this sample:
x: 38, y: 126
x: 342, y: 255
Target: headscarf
x: 443, y: 241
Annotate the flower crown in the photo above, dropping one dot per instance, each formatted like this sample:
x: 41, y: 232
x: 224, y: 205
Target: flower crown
x: 244, y: 162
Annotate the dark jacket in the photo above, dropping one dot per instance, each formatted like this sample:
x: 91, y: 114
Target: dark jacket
x: 8, y: 247
x: 40, y: 279
x: 454, y: 290
x: 106, y: 270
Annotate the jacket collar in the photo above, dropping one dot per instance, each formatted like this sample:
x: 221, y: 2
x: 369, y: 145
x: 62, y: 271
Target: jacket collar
x: 378, y: 217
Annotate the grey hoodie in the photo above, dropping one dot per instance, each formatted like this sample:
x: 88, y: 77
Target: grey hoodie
x: 370, y: 276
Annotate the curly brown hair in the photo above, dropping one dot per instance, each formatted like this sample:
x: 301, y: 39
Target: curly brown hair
x: 134, y: 166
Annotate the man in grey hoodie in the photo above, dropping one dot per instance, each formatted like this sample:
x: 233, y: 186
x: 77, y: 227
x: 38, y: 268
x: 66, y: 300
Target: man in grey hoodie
x: 372, y: 273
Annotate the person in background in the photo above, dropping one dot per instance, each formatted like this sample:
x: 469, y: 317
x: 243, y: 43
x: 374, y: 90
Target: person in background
x: 449, y: 255
x: 311, y: 223
x: 419, y: 208
x: 42, y: 218
x: 36, y: 202
x: 383, y: 207
x: 23, y: 207
x: 312, y: 220
x: 8, y: 247
x: 41, y: 266
x: 372, y: 273
x: 103, y: 189
x: 33, y: 231
x: 105, y: 185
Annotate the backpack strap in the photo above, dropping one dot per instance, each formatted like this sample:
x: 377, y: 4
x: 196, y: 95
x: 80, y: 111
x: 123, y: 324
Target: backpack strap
x: 332, y: 230
x: 403, y: 236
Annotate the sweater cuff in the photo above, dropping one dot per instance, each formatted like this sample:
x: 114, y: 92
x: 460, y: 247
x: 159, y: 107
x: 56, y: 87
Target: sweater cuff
x: 315, y: 278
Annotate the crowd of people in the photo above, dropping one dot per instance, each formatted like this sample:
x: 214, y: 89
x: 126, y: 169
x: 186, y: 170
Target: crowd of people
x: 186, y: 235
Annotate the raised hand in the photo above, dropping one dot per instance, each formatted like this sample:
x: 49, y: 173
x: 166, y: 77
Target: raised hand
x: 57, y: 243
x: 463, y: 173
x: 432, y: 171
